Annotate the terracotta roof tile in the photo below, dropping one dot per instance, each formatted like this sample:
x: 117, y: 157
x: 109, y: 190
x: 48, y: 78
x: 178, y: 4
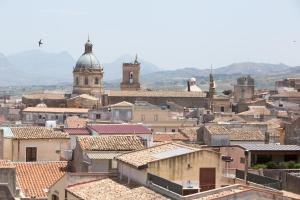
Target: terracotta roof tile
x: 75, y: 122
x: 77, y: 131
x: 109, y: 189
x: 35, y: 178
x: 142, y: 157
x: 6, y: 164
x: 120, y: 129
x: 156, y: 93
x: 37, y: 133
x: 249, y: 134
x: 55, y: 110
x: 110, y: 143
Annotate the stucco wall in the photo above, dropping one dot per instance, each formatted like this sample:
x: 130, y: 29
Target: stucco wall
x: 47, y: 149
x: 177, y: 169
x: 133, y: 174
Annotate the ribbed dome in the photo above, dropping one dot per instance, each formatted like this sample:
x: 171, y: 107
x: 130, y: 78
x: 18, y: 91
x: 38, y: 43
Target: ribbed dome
x: 88, y: 60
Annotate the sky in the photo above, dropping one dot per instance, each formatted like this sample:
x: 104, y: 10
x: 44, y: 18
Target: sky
x: 169, y: 33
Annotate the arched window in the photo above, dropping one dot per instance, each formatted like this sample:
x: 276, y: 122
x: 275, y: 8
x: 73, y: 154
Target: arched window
x: 131, y: 77
x: 86, y: 80
x: 77, y: 81
x: 96, y: 81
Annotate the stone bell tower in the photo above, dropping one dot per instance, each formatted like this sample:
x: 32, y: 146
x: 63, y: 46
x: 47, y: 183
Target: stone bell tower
x: 131, y: 76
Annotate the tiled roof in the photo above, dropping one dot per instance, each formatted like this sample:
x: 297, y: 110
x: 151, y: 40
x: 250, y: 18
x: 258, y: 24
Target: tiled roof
x: 6, y: 164
x: 270, y: 147
x: 102, y: 155
x: 236, y: 134
x: 122, y: 104
x: 86, y: 96
x: 37, y: 133
x: 44, y: 96
x: 109, y: 189
x: 35, y: 178
x: 233, y: 118
x: 120, y: 129
x: 168, y: 137
x: 142, y: 157
x: 155, y: 93
x: 56, y: 110
x: 75, y: 122
x: 246, y: 134
x: 256, y: 110
x: 110, y: 143
x: 77, y: 131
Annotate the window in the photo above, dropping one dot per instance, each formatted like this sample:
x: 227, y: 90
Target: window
x: 56, y: 117
x: 173, y: 130
x: 31, y: 154
x: 142, y: 118
x: 54, y: 197
x: 77, y: 81
x: 86, y: 80
x: 222, y: 109
x: 98, y: 116
x: 96, y: 81
x: 40, y: 116
x: 242, y: 160
x: 155, y: 117
x: 131, y: 77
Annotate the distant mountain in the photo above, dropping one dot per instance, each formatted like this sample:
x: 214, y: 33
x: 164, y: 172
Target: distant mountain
x: 56, y: 67
x: 251, y: 68
x: 265, y: 74
x: 36, y: 67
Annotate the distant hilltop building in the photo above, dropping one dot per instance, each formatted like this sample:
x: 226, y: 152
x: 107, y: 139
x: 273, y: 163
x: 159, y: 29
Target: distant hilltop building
x: 131, y: 76
x: 88, y: 73
x: 192, y: 86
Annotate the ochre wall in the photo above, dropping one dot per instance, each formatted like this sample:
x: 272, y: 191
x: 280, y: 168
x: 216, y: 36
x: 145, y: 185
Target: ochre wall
x: 176, y: 168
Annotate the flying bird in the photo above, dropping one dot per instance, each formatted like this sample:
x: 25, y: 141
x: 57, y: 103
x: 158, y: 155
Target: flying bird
x: 40, y: 43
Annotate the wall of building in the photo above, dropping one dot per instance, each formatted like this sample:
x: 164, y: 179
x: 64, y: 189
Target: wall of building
x: 186, y: 167
x: 237, y: 154
x: 7, y: 145
x: 78, y: 102
x: 190, y: 102
x: 47, y: 149
x: 132, y: 173
x: 99, y: 166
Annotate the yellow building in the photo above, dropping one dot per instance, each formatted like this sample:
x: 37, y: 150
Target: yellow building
x: 31, y: 144
x: 186, y: 167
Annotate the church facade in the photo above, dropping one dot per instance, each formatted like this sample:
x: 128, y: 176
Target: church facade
x: 88, y: 74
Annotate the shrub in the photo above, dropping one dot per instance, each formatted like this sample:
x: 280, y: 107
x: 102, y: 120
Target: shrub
x: 297, y: 165
x: 259, y: 166
x: 272, y: 165
x: 283, y: 165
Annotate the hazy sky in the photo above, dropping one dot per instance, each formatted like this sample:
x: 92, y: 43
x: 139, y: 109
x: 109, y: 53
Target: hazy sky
x: 168, y: 33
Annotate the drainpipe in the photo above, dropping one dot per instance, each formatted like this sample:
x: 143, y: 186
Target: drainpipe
x: 246, y: 166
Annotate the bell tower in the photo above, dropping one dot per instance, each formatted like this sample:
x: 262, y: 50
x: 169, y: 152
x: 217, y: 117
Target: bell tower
x: 131, y: 76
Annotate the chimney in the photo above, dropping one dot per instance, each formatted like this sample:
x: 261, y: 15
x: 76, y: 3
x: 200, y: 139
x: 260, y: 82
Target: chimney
x: 188, y: 86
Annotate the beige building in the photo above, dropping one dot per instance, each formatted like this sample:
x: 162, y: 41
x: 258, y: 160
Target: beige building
x: 96, y: 153
x: 187, y: 167
x: 84, y: 101
x: 31, y: 144
x: 39, y: 115
x: 160, y: 119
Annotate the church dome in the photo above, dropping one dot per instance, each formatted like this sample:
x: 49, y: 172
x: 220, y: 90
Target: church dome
x: 88, y: 60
